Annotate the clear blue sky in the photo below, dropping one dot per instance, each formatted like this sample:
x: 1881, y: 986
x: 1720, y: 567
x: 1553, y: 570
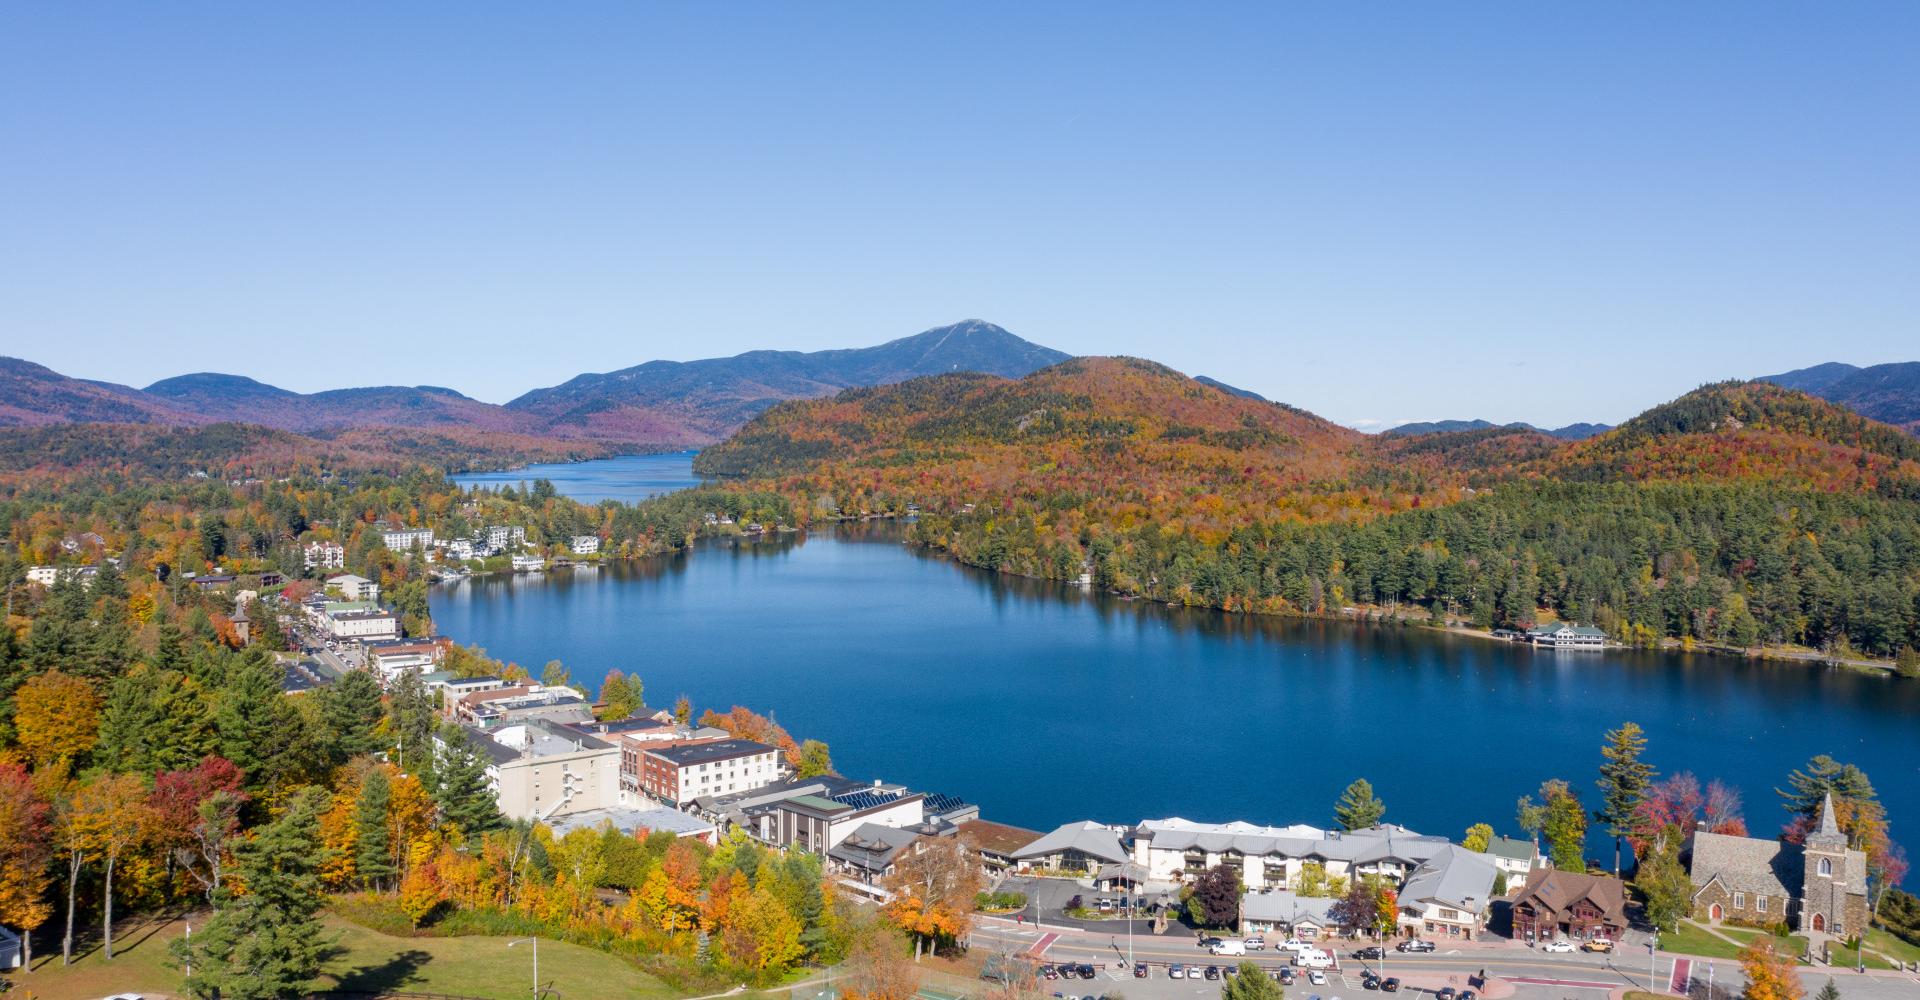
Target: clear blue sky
x: 1380, y: 212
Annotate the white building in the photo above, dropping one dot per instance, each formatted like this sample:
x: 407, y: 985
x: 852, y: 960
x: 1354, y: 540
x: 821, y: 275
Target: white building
x: 1270, y: 857
x: 500, y: 537
x: 359, y: 625
x: 539, y: 770
x: 47, y: 576
x: 355, y: 588
x: 405, y: 539
x: 679, y: 774
x: 1563, y: 636
x: 1448, y: 895
x: 461, y: 549
x: 325, y: 555
x: 528, y: 564
x: 584, y: 545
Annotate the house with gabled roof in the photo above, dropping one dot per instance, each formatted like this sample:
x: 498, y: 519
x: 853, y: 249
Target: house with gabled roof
x: 1818, y: 887
x: 1082, y: 846
x: 1570, y: 904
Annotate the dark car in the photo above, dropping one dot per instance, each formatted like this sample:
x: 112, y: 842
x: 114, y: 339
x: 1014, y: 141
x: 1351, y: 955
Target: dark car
x: 1086, y: 971
x: 1414, y: 946
x: 1389, y: 985
x: 1445, y: 993
x: 1139, y: 970
x: 1370, y: 981
x: 1371, y: 951
x: 1207, y: 942
x: 1467, y: 995
x: 1050, y: 972
x: 1286, y: 977
x: 1213, y: 972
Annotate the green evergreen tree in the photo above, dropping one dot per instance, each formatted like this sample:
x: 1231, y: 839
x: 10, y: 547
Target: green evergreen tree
x: 268, y: 942
x: 351, y: 710
x: 410, y: 720
x: 373, y: 847
x: 1358, y: 808
x: 1828, y: 992
x: 1624, y: 778
x: 1662, y: 881
x: 252, y: 719
x: 461, y: 791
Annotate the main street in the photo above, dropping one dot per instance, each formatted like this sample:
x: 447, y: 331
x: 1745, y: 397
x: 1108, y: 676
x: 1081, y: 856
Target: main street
x: 1528, y: 974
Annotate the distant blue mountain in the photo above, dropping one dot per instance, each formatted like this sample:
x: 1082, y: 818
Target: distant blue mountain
x: 1233, y: 390
x: 1888, y: 393
x: 1571, y: 432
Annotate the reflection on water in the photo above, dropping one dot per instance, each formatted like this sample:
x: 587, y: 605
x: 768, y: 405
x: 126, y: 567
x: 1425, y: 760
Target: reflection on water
x: 1047, y: 703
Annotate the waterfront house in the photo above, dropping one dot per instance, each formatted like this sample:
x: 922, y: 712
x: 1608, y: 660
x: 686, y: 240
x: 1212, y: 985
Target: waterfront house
x: 325, y: 555
x: 499, y: 538
x: 584, y: 545
x: 1570, y: 904
x: 1817, y: 887
x: 1079, y: 847
x: 869, y: 851
x: 1517, y: 857
x: 1448, y: 895
x: 1560, y: 635
x: 528, y: 564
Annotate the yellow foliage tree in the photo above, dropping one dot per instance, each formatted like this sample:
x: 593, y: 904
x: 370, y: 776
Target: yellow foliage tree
x: 56, y: 717
x: 1770, y: 974
x: 760, y: 934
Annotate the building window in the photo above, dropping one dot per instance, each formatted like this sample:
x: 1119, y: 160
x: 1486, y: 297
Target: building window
x: 1760, y: 903
x: 1739, y: 900
x: 1826, y: 866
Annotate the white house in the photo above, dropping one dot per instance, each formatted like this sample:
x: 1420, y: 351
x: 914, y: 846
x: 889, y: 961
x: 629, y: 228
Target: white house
x: 47, y: 576
x: 355, y: 588
x: 506, y: 536
x: 1516, y: 856
x: 1273, y: 857
x: 1563, y: 636
x: 584, y: 545
x: 528, y: 564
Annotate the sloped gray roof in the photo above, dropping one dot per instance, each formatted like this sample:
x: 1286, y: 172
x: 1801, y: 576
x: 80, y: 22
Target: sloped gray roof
x: 1379, y: 843
x: 1510, y: 848
x: 1087, y: 837
x: 1287, y: 907
x: 1745, y: 864
x: 1452, y: 877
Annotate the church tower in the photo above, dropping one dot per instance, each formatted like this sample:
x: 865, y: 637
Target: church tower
x: 1823, y: 899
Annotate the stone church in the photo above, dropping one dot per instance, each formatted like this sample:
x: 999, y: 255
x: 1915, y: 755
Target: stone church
x: 1819, y: 887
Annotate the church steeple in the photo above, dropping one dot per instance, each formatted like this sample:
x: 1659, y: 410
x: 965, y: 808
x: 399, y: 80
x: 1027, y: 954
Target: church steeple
x: 1827, y: 836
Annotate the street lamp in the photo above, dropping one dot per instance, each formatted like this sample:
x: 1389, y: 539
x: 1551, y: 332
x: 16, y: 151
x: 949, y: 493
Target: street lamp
x: 536, y: 961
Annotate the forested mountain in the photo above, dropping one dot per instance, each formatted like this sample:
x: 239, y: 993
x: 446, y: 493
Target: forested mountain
x: 696, y: 402
x: 1571, y: 432
x: 1741, y: 513
x: 658, y: 403
x: 1888, y: 393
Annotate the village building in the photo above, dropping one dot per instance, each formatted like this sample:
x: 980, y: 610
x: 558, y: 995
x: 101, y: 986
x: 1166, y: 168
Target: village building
x: 819, y: 824
x: 637, y: 822
x: 584, y: 545
x: 539, y: 770
x: 870, y: 852
x: 1175, y: 849
x: 407, y: 539
x: 995, y: 843
x: 1284, y: 912
x: 1448, y: 894
x: 1819, y: 887
x: 1517, y: 857
x: 496, y: 707
x: 354, y: 588
x: 1575, y: 905
x: 676, y: 774
x: 354, y: 626
x: 1076, y: 847
x: 47, y: 576
x: 1560, y: 635
x: 325, y: 555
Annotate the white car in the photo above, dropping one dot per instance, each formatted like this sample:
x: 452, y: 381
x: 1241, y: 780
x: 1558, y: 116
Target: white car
x: 1317, y: 978
x: 1255, y: 944
x: 1560, y: 947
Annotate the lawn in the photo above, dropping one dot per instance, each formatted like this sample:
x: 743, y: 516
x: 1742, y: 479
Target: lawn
x: 1880, y: 940
x: 1691, y: 939
x: 1792, y: 944
x: 365, y: 961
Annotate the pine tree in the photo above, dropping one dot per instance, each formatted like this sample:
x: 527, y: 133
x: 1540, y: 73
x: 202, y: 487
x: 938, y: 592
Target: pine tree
x: 351, y: 711
x: 1565, y: 826
x: 462, y: 794
x: 252, y: 718
x: 1358, y: 809
x: 410, y: 719
x: 1624, y: 778
x: 268, y: 942
x: 373, y: 848
x: 1828, y: 991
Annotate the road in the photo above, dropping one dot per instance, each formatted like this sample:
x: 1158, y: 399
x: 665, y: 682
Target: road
x: 1534, y: 975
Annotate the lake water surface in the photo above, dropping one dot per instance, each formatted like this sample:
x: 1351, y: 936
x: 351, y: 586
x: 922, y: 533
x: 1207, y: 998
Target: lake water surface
x: 628, y: 478
x: 1046, y: 704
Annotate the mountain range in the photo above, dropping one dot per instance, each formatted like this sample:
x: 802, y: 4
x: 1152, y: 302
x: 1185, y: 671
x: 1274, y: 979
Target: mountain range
x: 1571, y: 432
x: 1888, y: 393
x: 668, y: 403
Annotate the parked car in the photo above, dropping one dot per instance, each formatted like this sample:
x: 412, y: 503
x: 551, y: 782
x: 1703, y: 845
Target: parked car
x: 1369, y: 981
x: 1414, y: 946
x: 1560, y: 947
x: 1317, y: 978
x: 1140, y: 970
x: 1213, y: 972
x: 1176, y: 971
x: 1467, y: 995
x: 1087, y: 971
x: 1601, y: 945
x: 1255, y: 944
x: 1286, y: 977
x: 1390, y: 985
x: 1445, y: 993
x: 1371, y: 951
x: 1314, y: 959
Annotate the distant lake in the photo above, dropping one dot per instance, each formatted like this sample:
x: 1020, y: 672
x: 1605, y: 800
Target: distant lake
x: 628, y: 478
x: 1045, y: 703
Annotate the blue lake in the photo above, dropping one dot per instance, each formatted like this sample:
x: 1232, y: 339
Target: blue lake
x: 628, y: 478
x: 1046, y: 704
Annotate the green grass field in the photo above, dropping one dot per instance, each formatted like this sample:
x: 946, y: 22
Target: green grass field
x: 365, y: 960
